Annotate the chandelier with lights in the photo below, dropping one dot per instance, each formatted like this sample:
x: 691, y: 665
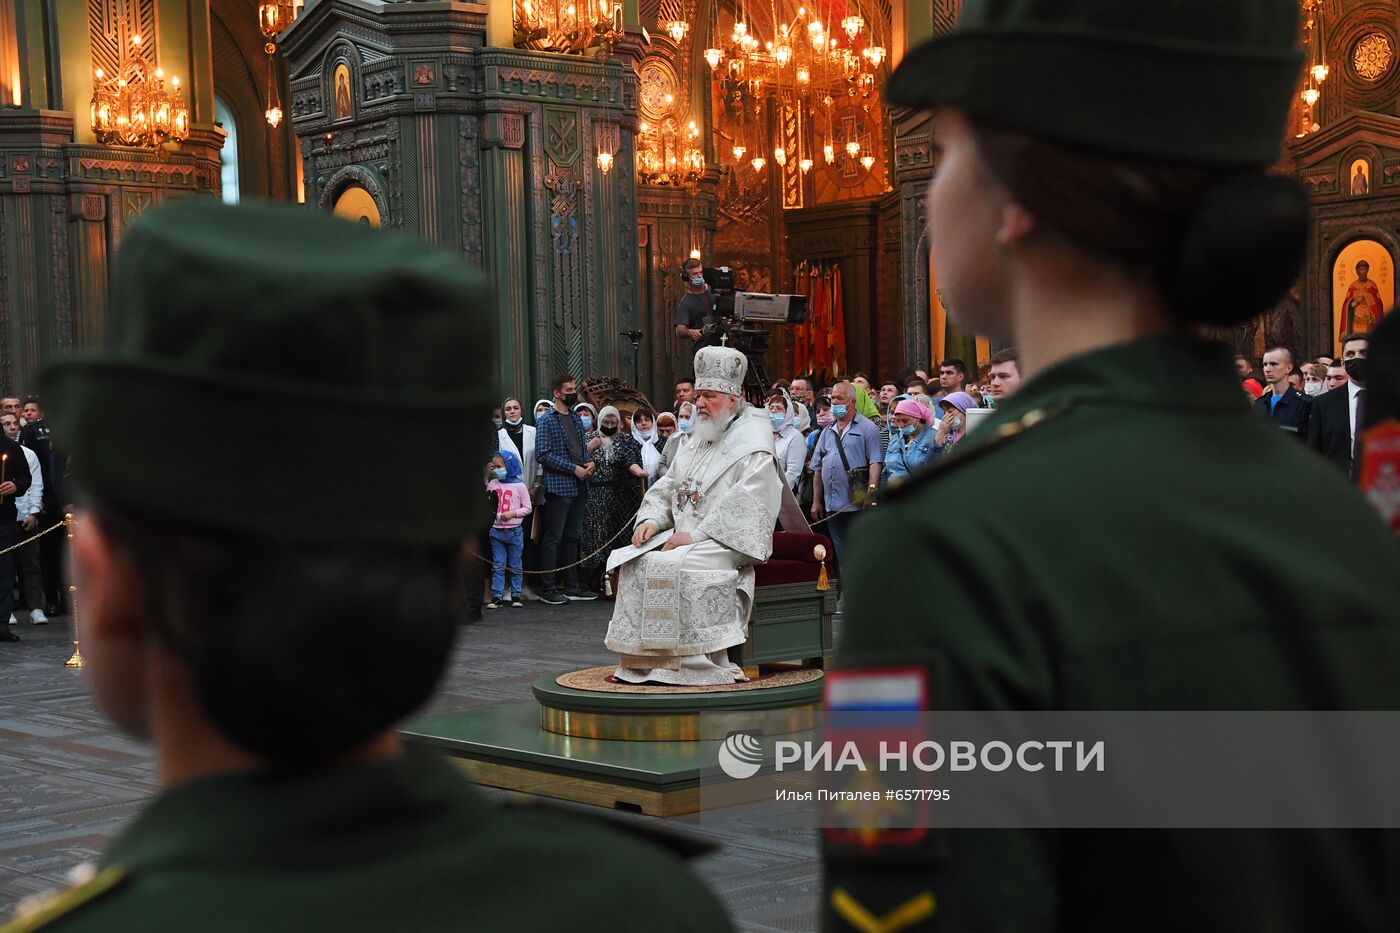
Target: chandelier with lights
x: 1317, y: 70
x: 273, y: 17
x: 132, y: 107
x: 568, y: 26
x: 807, y: 60
x: 668, y: 156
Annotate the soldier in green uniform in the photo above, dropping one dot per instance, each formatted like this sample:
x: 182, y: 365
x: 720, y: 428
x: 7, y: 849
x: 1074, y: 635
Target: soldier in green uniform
x: 267, y: 595
x: 1104, y: 541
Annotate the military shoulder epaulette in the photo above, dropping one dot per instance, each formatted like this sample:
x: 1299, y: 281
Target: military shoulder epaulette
x: 1031, y: 420
x: 678, y: 844
x: 63, y: 903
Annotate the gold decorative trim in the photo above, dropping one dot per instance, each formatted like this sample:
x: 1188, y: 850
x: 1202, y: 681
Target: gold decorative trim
x: 669, y: 727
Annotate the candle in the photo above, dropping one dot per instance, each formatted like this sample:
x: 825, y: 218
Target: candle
x: 4, y: 460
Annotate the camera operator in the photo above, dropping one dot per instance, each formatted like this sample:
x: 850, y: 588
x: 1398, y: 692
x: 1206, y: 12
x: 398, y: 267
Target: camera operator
x: 696, y: 307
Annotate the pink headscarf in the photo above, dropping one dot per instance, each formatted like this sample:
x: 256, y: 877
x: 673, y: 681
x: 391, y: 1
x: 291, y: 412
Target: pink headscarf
x: 912, y: 409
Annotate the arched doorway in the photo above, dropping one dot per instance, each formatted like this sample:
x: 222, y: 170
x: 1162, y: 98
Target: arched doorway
x: 228, y: 156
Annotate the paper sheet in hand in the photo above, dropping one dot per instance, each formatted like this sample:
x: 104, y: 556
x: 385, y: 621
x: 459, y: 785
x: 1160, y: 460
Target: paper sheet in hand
x: 623, y: 554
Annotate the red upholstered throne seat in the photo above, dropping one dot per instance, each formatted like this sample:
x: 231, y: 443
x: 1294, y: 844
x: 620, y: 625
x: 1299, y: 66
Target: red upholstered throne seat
x: 792, y: 560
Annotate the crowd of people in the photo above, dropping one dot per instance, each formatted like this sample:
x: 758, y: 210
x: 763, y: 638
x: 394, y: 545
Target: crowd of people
x: 565, y: 488
x: 31, y: 503
x: 1320, y: 401
x: 566, y: 479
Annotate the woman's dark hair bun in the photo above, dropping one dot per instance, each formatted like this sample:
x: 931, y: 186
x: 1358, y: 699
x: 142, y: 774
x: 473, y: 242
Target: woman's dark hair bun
x: 1239, y: 250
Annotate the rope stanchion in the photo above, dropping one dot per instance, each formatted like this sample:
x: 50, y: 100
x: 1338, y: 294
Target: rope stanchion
x: 581, y: 561
x: 76, y: 660
x: 30, y: 540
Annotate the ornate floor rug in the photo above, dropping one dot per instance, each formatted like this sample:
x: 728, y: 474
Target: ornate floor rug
x: 600, y: 679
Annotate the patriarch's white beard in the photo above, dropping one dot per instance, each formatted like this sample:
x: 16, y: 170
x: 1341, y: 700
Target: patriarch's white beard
x: 711, y: 429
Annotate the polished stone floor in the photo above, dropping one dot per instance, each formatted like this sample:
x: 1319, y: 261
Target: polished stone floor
x: 69, y: 782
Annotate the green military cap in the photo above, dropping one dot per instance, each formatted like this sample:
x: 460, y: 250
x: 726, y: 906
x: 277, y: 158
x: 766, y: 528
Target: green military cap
x: 1191, y: 80
x: 250, y: 353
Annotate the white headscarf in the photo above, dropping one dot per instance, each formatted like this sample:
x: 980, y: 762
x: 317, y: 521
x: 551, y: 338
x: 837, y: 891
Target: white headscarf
x: 535, y: 412
x: 603, y: 413
x: 651, y: 457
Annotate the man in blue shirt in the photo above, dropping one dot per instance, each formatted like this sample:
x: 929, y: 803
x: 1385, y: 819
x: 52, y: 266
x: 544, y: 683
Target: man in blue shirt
x: 859, y: 439
x: 561, y: 449
x: 1284, y: 404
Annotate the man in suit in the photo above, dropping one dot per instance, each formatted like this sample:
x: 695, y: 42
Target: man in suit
x: 38, y: 437
x: 1332, y: 424
x: 16, y: 483
x: 1285, y: 405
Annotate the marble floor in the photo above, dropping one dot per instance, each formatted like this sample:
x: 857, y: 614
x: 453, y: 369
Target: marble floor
x: 69, y: 782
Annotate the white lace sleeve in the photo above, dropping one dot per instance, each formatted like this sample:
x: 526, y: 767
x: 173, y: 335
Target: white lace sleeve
x: 744, y: 517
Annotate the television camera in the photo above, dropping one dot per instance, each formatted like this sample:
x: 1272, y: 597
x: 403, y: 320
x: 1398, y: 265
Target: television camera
x: 733, y: 317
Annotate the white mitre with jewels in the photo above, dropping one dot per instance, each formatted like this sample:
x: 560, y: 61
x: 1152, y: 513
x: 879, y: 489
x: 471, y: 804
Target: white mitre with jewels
x: 720, y: 369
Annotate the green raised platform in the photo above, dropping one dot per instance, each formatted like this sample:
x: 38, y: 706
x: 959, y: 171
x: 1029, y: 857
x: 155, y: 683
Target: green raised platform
x: 510, y: 746
x: 504, y: 746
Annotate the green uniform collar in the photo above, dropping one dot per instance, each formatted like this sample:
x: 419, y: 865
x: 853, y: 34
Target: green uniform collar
x: 331, y: 816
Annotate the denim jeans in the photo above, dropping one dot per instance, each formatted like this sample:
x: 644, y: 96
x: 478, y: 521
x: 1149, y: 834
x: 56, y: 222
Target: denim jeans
x: 837, y: 529
x: 507, y: 545
x: 563, y: 526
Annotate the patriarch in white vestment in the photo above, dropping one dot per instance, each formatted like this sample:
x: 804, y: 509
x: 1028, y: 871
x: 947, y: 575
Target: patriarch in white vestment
x: 686, y: 586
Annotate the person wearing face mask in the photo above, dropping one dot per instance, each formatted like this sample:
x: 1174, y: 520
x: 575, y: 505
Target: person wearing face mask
x: 696, y: 307
x: 1315, y: 380
x: 507, y: 535
x: 614, y: 492
x: 589, y: 416
x: 912, y: 443
x: 845, y: 468
x: 788, y: 444
x: 1288, y: 408
x: 1332, y: 428
x: 665, y: 427
x: 518, y: 438
x: 566, y: 463
x: 644, y: 433
x: 951, y: 427
x: 685, y: 428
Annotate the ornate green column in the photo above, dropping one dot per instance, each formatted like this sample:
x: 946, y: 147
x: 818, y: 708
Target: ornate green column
x: 405, y: 110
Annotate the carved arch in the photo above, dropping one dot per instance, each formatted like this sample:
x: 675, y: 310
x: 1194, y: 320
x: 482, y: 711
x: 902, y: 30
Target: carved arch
x: 356, y: 176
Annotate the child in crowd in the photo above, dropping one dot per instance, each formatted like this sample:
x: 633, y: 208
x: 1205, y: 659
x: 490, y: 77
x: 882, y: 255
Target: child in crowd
x: 507, y: 538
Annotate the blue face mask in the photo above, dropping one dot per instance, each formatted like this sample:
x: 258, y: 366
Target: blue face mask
x: 777, y: 419
x: 697, y: 280
x: 500, y: 473
x: 686, y: 425
x: 587, y: 422
x: 839, y: 411
x: 909, y: 430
